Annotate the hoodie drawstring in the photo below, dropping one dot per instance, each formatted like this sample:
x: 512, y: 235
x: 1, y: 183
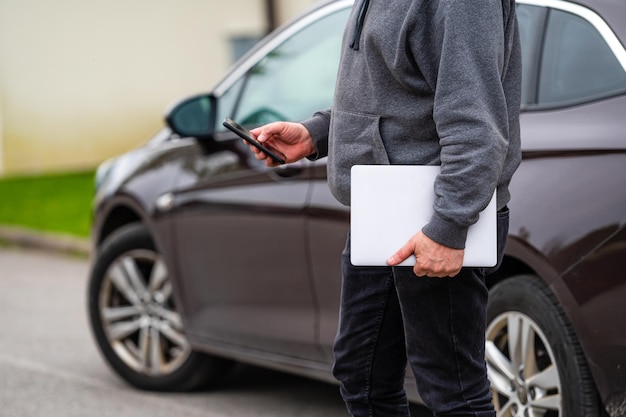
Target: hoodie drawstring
x: 358, y: 28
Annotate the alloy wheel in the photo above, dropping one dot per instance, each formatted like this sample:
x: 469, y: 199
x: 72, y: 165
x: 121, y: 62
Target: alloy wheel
x: 522, y: 369
x: 138, y: 314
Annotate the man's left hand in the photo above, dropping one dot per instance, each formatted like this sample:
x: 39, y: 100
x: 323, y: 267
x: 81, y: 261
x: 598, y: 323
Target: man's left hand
x: 432, y: 258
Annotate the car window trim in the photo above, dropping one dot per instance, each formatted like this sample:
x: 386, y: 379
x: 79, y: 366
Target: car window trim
x: 590, y: 16
x: 257, y: 54
x: 538, y: 37
x: 605, y: 31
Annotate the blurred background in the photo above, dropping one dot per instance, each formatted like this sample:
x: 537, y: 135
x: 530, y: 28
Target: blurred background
x: 84, y: 80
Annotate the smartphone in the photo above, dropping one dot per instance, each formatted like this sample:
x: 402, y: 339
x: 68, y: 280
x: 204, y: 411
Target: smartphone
x: 245, y: 134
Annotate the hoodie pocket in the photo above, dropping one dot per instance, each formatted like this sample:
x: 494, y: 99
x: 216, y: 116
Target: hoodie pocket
x: 354, y: 140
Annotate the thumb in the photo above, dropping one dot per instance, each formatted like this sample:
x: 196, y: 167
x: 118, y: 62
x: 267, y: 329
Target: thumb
x: 265, y: 132
x: 403, y: 253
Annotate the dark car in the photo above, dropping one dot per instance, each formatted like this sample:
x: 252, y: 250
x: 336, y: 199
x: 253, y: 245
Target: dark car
x: 204, y: 256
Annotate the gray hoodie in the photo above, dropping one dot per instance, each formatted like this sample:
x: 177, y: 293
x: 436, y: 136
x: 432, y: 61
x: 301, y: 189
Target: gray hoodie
x: 429, y: 82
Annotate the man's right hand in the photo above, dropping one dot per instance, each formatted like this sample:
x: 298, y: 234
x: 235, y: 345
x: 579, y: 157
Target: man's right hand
x: 291, y: 139
x: 432, y: 259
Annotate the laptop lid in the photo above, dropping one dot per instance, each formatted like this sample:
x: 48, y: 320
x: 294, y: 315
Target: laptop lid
x: 390, y: 203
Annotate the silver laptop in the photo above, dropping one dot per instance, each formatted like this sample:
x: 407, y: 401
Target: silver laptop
x: 390, y: 203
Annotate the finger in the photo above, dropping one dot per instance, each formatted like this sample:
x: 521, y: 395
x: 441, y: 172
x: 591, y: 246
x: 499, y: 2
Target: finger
x: 270, y: 163
x: 433, y: 273
x: 418, y: 271
x: 401, y: 255
x: 265, y: 132
x: 263, y: 136
x: 454, y: 273
x: 257, y: 153
x: 423, y: 269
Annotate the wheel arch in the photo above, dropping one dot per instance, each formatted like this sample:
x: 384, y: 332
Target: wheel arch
x: 510, y: 267
x: 118, y: 217
x: 115, y: 214
x: 515, y: 264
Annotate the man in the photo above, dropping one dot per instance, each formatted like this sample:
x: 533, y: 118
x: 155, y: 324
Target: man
x: 420, y: 82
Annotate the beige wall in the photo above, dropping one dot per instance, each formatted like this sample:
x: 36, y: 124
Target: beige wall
x: 82, y: 80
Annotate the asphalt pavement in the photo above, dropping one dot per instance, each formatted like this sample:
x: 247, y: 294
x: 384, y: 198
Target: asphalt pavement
x: 49, y: 365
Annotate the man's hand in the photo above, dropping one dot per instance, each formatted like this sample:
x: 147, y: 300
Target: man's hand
x: 291, y: 139
x: 433, y: 259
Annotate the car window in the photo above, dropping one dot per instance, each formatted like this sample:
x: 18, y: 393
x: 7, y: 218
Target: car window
x: 292, y: 81
x: 529, y: 20
x: 577, y: 63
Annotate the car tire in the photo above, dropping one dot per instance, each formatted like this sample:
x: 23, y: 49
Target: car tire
x: 134, y: 320
x: 535, y: 362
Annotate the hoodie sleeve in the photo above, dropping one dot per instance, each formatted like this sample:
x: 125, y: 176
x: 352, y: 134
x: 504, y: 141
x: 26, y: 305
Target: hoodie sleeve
x: 464, y: 66
x: 318, y: 126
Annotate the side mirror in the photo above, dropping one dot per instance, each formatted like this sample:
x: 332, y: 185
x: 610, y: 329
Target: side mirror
x: 193, y: 117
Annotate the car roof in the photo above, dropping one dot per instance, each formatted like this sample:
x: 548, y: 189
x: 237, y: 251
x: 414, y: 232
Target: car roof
x: 612, y: 11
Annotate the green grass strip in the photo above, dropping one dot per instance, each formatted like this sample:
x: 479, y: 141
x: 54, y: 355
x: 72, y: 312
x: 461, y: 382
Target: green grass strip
x: 58, y: 203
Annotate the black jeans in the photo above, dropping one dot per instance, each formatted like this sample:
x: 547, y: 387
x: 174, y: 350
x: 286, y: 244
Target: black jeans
x: 389, y: 316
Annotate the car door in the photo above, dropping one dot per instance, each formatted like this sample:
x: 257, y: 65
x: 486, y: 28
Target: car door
x: 572, y: 128
x: 573, y: 139
x: 328, y: 225
x: 240, y: 227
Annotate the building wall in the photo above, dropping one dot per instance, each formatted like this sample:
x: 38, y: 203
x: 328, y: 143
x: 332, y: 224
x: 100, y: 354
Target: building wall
x: 83, y: 80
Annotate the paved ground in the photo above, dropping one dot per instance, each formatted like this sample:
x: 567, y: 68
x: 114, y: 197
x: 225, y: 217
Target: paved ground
x: 49, y: 365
